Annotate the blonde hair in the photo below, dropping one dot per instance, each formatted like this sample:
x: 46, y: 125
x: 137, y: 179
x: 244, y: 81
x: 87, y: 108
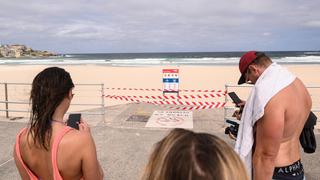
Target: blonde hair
x: 185, y: 155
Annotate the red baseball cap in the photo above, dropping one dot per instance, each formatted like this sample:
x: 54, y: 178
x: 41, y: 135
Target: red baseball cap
x: 244, y: 63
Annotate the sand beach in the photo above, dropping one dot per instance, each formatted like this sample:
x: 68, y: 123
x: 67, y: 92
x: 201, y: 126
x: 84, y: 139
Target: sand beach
x: 123, y: 146
x: 143, y: 77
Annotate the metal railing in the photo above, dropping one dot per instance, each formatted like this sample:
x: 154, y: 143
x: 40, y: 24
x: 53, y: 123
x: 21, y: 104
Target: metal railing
x: 7, y: 100
x: 227, y: 86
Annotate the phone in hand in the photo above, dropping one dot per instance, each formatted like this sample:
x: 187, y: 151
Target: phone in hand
x: 74, y: 120
x: 235, y: 98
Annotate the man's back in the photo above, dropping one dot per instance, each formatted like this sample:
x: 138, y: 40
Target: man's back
x: 295, y: 103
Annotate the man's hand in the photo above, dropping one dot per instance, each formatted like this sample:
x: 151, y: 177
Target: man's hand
x: 237, y: 114
x: 232, y: 136
x: 241, y: 104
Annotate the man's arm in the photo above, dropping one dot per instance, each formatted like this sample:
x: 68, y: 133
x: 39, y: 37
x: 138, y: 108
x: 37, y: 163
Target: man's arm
x: 269, y: 133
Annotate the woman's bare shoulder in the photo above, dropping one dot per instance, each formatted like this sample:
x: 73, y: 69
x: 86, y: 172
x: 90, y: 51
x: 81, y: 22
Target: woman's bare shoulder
x: 77, y: 138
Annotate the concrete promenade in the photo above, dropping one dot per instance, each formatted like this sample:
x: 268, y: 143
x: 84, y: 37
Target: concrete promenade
x: 124, y: 146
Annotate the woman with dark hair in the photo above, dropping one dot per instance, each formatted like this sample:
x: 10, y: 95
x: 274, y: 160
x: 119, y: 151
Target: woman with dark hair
x: 48, y: 149
x: 184, y: 154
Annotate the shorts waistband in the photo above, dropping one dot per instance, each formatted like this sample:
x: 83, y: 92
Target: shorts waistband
x: 293, y: 171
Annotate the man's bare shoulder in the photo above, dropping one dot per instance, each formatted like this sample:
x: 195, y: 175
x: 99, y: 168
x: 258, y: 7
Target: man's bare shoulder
x: 293, y: 97
x: 277, y: 102
x: 282, y: 98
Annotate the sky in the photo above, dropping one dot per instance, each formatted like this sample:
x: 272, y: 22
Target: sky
x: 118, y: 26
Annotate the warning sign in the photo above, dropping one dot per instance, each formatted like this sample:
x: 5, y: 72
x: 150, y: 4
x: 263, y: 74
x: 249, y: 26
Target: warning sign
x: 170, y: 80
x: 171, y: 119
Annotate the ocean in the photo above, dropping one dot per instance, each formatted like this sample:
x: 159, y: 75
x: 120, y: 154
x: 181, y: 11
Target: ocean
x: 164, y: 59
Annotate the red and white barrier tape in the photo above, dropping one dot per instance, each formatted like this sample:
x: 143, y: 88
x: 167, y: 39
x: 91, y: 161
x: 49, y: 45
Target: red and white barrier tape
x: 204, y: 96
x: 161, y: 102
x: 194, y: 105
x: 152, y: 89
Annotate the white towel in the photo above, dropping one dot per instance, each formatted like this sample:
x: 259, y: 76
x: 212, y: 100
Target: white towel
x: 271, y: 81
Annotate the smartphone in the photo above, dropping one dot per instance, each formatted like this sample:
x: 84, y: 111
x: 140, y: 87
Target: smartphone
x: 235, y: 98
x: 74, y: 120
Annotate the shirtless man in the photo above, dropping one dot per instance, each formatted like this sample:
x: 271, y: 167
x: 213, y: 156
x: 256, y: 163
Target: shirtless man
x: 276, y: 152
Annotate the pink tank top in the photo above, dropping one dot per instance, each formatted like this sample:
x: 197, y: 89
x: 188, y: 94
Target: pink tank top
x: 55, y: 145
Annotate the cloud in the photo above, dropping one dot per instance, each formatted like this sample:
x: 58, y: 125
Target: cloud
x: 82, y: 31
x: 266, y: 34
x: 157, y: 25
x: 19, y: 25
x: 314, y: 23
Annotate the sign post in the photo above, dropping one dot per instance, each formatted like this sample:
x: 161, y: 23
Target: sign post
x: 170, y: 81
